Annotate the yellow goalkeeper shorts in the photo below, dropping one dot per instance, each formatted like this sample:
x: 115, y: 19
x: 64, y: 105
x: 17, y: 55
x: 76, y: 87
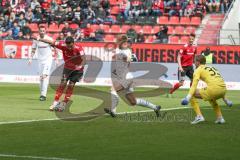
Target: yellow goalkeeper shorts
x: 212, y: 93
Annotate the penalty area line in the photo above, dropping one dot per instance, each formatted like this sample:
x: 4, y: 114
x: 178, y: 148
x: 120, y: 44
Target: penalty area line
x: 68, y: 118
x: 32, y: 157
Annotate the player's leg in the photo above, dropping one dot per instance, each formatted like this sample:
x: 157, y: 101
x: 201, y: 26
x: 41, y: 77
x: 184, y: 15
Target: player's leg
x: 73, y: 78
x: 141, y: 102
x: 227, y: 102
x: 194, y: 103
x: 60, y: 89
x: 218, y: 112
x: 181, y: 78
x: 44, y: 80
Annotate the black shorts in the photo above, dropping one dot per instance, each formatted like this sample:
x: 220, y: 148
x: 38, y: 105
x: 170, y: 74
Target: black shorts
x: 187, y: 71
x: 71, y: 75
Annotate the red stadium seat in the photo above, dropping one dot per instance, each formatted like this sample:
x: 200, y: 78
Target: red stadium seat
x: 149, y: 39
x: 184, y: 39
x: 171, y: 30
x: 114, y: 2
x: 147, y: 29
x: 115, y: 29
x: 185, y: 20
x: 125, y: 28
x: 195, y: 21
x: 61, y: 26
x: 190, y: 30
x: 94, y: 27
x: 179, y: 30
x: 109, y: 38
x: 162, y: 20
x: 74, y: 26
x: 174, y: 39
x: 53, y: 28
x: 174, y: 20
x: 106, y: 28
x: 33, y: 27
x: 115, y: 10
x: 137, y: 28
x: 156, y: 29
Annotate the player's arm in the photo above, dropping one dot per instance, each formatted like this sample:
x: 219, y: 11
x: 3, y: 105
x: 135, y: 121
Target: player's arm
x: 30, y: 57
x: 51, y: 42
x: 179, y: 60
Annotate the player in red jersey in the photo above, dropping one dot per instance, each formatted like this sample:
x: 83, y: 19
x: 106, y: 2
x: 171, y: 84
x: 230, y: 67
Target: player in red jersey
x: 75, y: 60
x: 185, y: 63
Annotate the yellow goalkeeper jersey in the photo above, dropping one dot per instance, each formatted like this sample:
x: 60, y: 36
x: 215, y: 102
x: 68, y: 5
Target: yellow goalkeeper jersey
x: 209, y: 75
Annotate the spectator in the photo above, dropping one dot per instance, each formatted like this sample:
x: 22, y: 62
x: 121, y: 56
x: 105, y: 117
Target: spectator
x: 175, y: 8
x: 124, y: 8
x: 15, y: 30
x: 29, y: 15
x: 66, y: 29
x: 87, y: 31
x: 27, y: 37
x: 53, y: 5
x: 9, y: 35
x: 34, y: 4
x: 21, y: 20
x: 106, y: 6
x: 60, y: 36
x: 162, y: 36
x: 190, y: 9
x: 59, y: 15
x: 77, y: 16
x: 69, y: 14
x: 100, y: 15
x: 26, y: 30
x: 200, y: 9
x: 92, y: 37
x: 213, y: 4
x: 136, y: 8
x: 225, y: 5
x: 90, y: 15
x: 100, y: 33
x: 20, y: 35
x: 158, y: 7
x: 82, y: 37
x: 37, y: 16
x: 140, y: 37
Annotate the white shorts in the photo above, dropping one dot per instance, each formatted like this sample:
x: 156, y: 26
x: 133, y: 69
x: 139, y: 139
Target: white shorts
x: 44, y: 67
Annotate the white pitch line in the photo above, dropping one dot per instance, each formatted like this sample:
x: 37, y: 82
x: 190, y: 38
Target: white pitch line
x: 55, y: 119
x: 33, y: 157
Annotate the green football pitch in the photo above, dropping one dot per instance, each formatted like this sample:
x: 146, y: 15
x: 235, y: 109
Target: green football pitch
x: 29, y: 131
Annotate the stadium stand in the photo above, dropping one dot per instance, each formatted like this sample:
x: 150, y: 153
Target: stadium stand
x: 117, y: 18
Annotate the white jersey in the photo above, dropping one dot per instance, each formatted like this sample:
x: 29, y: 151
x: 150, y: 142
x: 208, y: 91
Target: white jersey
x: 120, y: 67
x: 43, y: 50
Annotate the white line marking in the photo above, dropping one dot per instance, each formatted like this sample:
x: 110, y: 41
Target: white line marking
x: 55, y: 119
x: 33, y: 157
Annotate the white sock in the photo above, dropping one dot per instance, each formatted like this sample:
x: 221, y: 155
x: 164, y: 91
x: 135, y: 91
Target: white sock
x: 144, y: 103
x: 41, y: 86
x: 44, y: 86
x: 227, y: 102
x: 115, y: 100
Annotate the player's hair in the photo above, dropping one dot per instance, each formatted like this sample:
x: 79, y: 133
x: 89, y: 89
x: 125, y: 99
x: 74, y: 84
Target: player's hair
x: 192, y: 35
x: 41, y: 26
x: 69, y: 40
x: 201, y: 59
x: 121, y: 39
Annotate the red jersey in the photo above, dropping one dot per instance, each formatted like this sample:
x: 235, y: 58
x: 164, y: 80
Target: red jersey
x: 72, y: 57
x: 187, y: 55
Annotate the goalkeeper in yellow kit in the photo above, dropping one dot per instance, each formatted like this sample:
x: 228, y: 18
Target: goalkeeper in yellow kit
x: 216, y: 89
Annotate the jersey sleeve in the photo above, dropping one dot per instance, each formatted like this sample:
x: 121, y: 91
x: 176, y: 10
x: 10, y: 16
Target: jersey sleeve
x: 34, y: 44
x: 58, y: 45
x: 196, y: 78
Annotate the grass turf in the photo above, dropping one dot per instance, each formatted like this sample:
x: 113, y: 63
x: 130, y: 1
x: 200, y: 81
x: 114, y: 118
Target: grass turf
x: 126, y: 137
